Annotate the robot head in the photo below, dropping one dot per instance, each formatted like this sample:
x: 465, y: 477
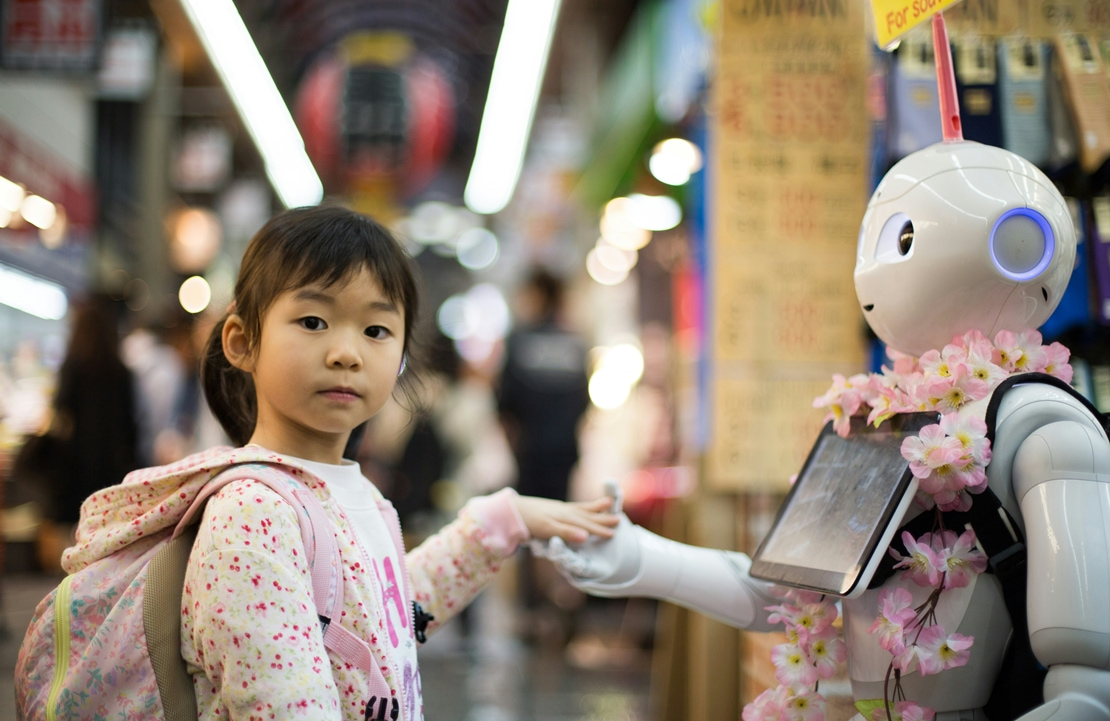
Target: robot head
x: 958, y: 237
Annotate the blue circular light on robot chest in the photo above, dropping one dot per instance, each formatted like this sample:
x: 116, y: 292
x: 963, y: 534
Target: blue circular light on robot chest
x: 1022, y: 244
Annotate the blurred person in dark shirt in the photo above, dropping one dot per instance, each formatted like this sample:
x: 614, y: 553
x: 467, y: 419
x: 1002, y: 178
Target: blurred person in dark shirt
x: 94, y: 411
x: 541, y: 398
x: 543, y: 390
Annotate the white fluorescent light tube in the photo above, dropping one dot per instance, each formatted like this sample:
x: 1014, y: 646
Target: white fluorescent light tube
x: 511, y: 103
x: 257, y: 99
x: 31, y: 294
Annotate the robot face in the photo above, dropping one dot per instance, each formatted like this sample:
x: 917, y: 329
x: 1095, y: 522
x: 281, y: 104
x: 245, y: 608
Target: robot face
x: 961, y: 236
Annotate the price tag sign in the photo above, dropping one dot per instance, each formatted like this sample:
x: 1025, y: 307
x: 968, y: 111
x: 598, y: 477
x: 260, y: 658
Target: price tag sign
x: 894, y: 17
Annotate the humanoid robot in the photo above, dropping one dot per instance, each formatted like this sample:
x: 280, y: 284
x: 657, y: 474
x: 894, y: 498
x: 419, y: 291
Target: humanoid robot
x: 957, y: 237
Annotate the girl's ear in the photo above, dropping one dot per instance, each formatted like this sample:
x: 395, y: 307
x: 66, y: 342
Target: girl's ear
x: 237, y: 348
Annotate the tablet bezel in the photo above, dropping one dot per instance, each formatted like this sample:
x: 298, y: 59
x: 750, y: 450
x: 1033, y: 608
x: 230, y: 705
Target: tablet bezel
x: 849, y: 584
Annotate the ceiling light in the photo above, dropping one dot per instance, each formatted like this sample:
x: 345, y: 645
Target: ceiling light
x: 257, y: 99
x: 38, y: 211
x: 32, y: 295
x: 11, y: 195
x: 511, y: 103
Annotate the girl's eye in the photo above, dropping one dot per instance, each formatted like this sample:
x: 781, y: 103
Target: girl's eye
x: 377, y: 332
x: 313, y: 323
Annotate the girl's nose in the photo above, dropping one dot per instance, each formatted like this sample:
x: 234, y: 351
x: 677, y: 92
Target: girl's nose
x: 344, y: 354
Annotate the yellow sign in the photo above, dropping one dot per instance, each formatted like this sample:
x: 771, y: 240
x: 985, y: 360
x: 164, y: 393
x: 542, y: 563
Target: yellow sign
x: 895, y: 17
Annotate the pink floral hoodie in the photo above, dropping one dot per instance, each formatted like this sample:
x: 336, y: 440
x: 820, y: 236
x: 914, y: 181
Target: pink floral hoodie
x: 250, y: 632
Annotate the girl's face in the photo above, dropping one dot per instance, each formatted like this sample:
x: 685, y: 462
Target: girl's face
x: 327, y: 360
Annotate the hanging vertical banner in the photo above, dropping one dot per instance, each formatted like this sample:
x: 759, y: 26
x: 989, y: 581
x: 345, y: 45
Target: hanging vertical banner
x: 59, y: 35
x: 790, y: 141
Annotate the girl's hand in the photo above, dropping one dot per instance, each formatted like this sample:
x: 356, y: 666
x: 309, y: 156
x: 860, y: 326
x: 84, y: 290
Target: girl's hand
x: 572, y: 522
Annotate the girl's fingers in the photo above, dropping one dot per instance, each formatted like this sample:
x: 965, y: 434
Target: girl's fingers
x: 597, y: 505
x: 569, y: 533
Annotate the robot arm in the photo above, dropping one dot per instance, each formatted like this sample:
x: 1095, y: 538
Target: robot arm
x: 1062, y: 481
x: 636, y: 562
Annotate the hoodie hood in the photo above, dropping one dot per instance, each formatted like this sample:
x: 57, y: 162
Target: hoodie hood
x: 151, y: 500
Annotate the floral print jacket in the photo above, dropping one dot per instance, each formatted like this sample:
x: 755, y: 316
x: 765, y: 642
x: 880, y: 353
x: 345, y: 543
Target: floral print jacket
x: 250, y: 632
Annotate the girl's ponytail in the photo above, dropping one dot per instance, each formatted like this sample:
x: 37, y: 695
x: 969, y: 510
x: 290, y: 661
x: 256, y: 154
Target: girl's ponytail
x: 228, y: 390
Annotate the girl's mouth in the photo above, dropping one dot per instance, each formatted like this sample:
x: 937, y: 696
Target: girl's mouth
x: 342, y: 395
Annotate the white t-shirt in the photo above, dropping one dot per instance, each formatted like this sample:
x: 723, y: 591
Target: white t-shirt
x: 358, y: 498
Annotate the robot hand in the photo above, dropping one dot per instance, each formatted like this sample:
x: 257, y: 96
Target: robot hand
x: 600, y: 567
x: 636, y: 562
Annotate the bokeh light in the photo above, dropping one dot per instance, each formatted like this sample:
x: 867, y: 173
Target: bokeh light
x: 618, y: 229
x: 674, y: 160
x: 477, y: 249
x: 654, y: 212
x: 602, y: 273
x: 194, y: 294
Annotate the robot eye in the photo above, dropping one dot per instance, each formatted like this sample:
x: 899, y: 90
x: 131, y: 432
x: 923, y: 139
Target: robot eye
x: 1022, y: 244
x: 905, y: 238
x: 895, y: 239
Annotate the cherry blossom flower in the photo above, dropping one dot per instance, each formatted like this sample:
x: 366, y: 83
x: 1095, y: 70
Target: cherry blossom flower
x: 971, y: 432
x: 785, y: 612
x: 960, y: 558
x: 1056, y: 362
x: 904, y: 660
x: 969, y: 339
x: 980, y: 363
x: 910, y: 711
x: 904, y: 363
x: 825, y: 651
x: 930, y: 450
x: 1022, y: 352
x: 792, y: 667
x: 1008, y: 351
x: 962, y: 388
x: 921, y: 391
x: 944, y: 361
x: 923, y: 565
x: 767, y: 706
x: 805, y: 707
x: 843, y: 400
x: 937, y: 650
x: 1033, y: 357
x: 895, y: 611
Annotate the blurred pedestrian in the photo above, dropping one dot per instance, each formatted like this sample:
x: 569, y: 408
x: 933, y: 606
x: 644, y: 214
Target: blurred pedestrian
x: 541, y: 398
x: 543, y: 389
x: 94, y: 421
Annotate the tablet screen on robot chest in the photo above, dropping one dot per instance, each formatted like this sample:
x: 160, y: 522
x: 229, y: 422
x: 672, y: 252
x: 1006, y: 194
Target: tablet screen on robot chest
x: 849, y: 497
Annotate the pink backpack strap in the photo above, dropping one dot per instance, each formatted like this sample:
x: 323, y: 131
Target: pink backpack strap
x: 323, y: 558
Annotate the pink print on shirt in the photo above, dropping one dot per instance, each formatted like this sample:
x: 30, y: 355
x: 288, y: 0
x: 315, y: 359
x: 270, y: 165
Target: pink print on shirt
x: 391, y: 591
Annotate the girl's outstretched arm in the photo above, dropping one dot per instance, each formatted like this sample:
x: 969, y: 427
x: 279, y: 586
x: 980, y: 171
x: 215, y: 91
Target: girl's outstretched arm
x: 452, y: 566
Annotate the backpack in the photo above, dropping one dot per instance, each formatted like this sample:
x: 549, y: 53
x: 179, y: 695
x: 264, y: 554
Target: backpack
x: 106, y: 643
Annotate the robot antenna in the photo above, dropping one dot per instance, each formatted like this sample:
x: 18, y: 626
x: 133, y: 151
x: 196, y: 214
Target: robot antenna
x: 946, y: 83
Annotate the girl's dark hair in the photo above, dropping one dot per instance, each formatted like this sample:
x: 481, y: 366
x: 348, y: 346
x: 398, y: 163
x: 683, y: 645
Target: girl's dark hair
x: 326, y: 244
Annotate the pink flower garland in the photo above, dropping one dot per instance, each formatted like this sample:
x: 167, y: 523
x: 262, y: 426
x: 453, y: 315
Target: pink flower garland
x: 949, y: 459
x: 812, y: 652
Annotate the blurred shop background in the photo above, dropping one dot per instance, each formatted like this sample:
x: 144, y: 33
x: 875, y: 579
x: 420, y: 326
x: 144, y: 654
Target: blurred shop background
x: 635, y: 221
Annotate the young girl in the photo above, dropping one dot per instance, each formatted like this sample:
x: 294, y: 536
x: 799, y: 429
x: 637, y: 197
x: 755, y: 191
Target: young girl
x: 312, y: 347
